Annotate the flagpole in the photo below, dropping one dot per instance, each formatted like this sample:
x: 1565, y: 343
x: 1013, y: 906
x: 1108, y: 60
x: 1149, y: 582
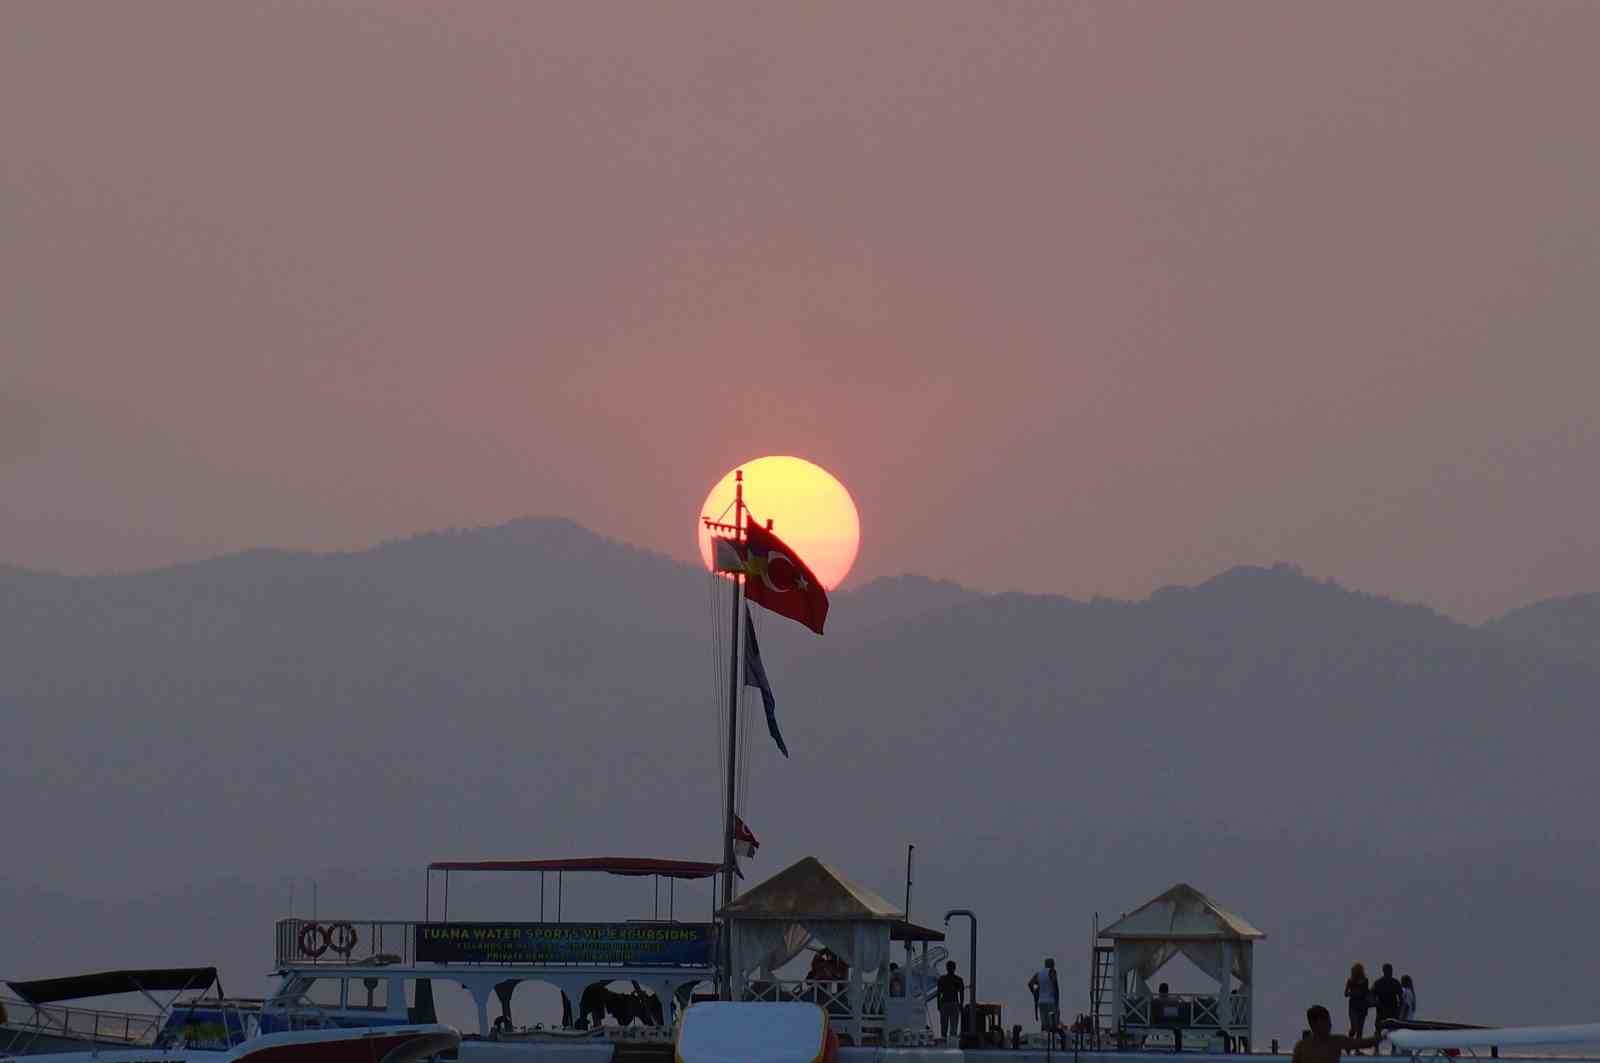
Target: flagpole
x: 735, y: 691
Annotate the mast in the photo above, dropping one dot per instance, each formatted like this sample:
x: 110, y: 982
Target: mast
x: 735, y: 692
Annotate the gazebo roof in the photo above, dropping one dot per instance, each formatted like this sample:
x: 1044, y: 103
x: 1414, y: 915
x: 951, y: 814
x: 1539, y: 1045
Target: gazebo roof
x: 1182, y: 913
x: 810, y: 889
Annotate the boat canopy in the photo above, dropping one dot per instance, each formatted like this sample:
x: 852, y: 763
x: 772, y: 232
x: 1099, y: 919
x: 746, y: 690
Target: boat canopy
x: 110, y: 983
x: 633, y: 866
x: 911, y: 932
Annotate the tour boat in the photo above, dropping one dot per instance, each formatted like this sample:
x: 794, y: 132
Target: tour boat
x: 48, y: 1015
x: 386, y: 1044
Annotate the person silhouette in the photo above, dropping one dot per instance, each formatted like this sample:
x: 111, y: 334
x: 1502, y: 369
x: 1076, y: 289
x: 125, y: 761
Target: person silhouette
x: 1321, y: 1045
x: 1359, y: 994
x: 951, y: 989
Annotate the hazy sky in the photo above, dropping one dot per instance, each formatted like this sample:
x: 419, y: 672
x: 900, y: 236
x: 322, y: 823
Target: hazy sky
x: 1081, y: 298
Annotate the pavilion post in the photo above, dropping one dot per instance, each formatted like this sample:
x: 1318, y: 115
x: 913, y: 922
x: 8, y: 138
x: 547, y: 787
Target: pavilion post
x: 858, y: 1001
x: 1224, y: 977
x: 1118, y: 990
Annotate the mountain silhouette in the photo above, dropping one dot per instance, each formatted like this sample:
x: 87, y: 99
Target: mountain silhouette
x: 1570, y: 624
x: 1345, y: 770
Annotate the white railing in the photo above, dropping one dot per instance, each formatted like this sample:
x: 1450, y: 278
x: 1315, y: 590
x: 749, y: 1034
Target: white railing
x: 1188, y: 1011
x: 833, y: 997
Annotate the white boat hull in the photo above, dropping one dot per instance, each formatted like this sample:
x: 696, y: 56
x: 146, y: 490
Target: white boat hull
x: 374, y: 1044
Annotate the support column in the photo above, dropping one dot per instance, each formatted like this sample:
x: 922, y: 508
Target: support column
x: 665, y: 992
x: 480, y: 997
x: 572, y: 987
x: 1250, y: 991
x: 857, y: 994
x: 1225, y: 979
x: 1117, y: 990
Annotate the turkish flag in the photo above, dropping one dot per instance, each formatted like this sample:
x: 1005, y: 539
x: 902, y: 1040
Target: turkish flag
x: 777, y: 579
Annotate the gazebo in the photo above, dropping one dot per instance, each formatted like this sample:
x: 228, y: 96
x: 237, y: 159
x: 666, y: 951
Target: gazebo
x: 811, y: 902
x: 1183, y: 921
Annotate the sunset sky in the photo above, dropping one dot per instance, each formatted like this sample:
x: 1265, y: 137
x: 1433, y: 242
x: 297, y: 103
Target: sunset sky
x: 1082, y: 298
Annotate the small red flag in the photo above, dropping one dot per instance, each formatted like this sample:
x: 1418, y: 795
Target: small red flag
x: 777, y: 579
x: 744, y: 840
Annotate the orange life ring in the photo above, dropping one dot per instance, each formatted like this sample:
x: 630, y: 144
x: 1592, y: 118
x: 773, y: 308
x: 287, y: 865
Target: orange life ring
x: 313, y: 940
x: 342, y: 937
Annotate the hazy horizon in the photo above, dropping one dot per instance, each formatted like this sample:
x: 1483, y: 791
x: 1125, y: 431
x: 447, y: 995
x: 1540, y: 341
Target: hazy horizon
x: 854, y: 583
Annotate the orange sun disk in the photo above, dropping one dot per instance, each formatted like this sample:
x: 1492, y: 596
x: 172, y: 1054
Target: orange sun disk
x: 809, y: 507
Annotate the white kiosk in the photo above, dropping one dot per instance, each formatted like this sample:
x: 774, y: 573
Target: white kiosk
x: 1183, y: 921
x: 809, y: 903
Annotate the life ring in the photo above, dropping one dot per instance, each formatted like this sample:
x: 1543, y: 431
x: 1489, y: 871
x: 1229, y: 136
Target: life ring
x: 313, y: 940
x: 342, y: 937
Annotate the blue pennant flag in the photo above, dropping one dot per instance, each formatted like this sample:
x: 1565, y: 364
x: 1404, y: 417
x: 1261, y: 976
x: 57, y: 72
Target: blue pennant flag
x: 756, y: 676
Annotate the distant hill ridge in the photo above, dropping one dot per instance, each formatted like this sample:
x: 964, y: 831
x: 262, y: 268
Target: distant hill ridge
x: 1571, y: 620
x: 542, y: 623
x: 1570, y: 623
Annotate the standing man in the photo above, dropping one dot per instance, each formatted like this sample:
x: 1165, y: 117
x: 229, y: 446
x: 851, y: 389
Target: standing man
x: 1389, y: 996
x: 1319, y: 1045
x: 1046, y: 989
x: 951, y: 990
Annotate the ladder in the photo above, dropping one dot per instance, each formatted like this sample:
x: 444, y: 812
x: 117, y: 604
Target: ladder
x: 1103, y: 992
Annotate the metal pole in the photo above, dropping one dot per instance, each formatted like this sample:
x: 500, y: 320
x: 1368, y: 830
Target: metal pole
x: 909, y: 850
x: 735, y: 682
x: 735, y: 642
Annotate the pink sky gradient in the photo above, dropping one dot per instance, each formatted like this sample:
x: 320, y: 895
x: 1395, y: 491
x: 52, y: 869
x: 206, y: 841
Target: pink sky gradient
x: 1081, y: 298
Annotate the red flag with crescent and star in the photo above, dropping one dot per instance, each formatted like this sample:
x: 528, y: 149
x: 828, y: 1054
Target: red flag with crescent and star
x: 776, y: 579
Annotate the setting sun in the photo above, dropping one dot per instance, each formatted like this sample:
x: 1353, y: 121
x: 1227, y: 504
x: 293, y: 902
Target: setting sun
x: 809, y: 508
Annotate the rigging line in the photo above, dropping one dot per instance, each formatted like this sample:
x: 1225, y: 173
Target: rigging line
x: 726, y: 646
x: 741, y: 790
x: 719, y: 698
x: 724, y: 649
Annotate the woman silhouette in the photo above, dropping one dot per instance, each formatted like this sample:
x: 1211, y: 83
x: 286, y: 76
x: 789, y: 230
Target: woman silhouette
x: 1359, y: 992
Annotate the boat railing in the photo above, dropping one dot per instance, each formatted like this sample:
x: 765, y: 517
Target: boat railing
x: 344, y: 942
x: 96, y: 1024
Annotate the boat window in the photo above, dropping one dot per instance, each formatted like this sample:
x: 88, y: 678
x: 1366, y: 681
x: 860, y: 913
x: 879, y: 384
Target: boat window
x: 369, y: 993
x: 293, y: 989
x: 324, y: 992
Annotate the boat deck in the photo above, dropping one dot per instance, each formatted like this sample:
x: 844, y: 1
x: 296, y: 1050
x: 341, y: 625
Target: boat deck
x: 490, y: 1052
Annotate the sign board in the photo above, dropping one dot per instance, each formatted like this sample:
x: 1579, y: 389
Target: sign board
x: 628, y: 944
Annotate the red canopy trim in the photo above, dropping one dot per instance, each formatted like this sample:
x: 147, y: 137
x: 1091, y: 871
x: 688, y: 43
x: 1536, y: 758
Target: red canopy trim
x: 637, y: 866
